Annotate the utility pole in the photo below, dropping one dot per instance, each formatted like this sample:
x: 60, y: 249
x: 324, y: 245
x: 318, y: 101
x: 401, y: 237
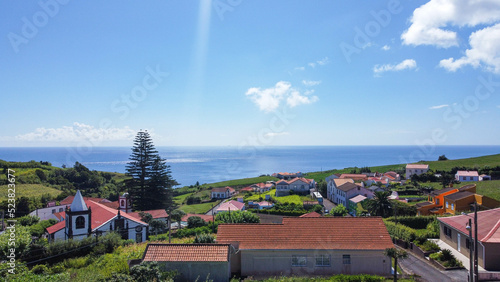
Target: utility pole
x: 476, y: 276
x: 169, y: 233
x: 471, y: 247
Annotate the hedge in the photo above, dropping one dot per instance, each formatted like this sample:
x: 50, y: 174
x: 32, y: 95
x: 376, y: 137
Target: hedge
x: 415, y: 222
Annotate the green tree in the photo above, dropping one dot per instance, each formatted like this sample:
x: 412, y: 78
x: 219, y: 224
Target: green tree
x: 146, y: 217
x: 20, y: 244
x: 176, y: 215
x: 395, y: 254
x: 322, y: 188
x: 157, y: 226
x: 237, y: 217
x: 442, y: 158
x: 380, y: 205
x: 195, y: 221
x: 150, y: 186
x: 339, y: 210
x: 204, y: 238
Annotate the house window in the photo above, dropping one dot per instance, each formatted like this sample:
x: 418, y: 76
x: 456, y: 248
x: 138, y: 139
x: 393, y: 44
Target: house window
x: 54, y: 211
x: 346, y: 259
x: 452, y: 207
x: 138, y: 237
x: 61, y: 209
x: 323, y: 260
x: 471, y: 178
x: 80, y: 222
x: 446, y: 204
x: 299, y: 261
x: 447, y: 231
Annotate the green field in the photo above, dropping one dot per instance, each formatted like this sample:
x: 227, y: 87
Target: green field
x: 29, y: 190
x: 180, y: 199
x: 296, y: 199
x: 241, y: 182
x: 477, y: 162
x: 198, y: 208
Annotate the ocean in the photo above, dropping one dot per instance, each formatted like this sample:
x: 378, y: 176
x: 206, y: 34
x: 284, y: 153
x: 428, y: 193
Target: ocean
x: 213, y: 164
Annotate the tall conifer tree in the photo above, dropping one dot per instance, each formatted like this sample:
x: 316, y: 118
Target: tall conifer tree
x: 151, y: 184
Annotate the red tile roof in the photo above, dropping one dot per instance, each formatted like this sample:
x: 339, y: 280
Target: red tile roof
x: 161, y: 213
x: 247, y: 189
x: 205, y: 217
x: 326, y: 233
x: 187, y: 252
x: 353, y: 176
x: 100, y: 215
x: 231, y: 205
x: 488, y: 224
x: 114, y: 205
x: 311, y: 214
x: 223, y: 190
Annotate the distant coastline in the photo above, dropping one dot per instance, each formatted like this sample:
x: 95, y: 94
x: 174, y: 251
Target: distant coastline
x: 214, y: 164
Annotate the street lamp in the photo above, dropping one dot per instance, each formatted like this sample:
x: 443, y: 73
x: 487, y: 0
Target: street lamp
x: 474, y: 245
x: 471, y: 246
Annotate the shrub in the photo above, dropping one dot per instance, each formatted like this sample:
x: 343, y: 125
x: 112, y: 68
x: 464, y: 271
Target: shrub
x: 204, y: 238
x: 146, y: 271
x: 58, y: 268
x: 28, y: 220
x: 237, y: 217
x: 40, y: 269
x: 195, y: 221
x: 429, y: 246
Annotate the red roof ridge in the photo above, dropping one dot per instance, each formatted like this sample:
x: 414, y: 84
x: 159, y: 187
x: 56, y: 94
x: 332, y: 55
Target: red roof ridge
x: 492, y: 231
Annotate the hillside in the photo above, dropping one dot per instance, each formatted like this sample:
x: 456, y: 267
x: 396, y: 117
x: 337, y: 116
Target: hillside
x: 472, y: 163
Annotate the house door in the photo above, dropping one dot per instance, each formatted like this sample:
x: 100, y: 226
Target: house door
x: 458, y: 242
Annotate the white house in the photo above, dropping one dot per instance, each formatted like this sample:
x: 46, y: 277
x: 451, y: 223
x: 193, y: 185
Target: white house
x: 465, y: 175
x: 88, y: 218
x: 484, y: 177
x: 331, y: 187
x: 49, y: 212
x: 349, y: 190
x: 298, y: 185
x: 222, y: 193
x: 417, y: 169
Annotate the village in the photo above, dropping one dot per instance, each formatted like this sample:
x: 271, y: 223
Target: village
x: 343, y: 224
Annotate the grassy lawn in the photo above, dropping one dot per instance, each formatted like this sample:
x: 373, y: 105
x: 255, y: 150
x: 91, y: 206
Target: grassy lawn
x: 198, y: 208
x: 296, y: 199
x: 241, y: 182
x: 180, y: 199
x: 479, y: 162
x: 29, y: 190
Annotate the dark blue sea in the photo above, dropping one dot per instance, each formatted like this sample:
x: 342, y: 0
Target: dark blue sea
x: 213, y: 164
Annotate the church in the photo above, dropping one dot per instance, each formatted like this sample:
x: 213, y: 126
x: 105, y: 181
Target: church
x: 84, y: 218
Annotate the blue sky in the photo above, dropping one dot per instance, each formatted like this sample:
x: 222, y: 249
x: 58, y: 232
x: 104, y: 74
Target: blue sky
x: 241, y: 72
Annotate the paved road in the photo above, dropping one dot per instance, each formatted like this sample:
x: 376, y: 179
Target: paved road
x: 328, y: 204
x: 429, y: 273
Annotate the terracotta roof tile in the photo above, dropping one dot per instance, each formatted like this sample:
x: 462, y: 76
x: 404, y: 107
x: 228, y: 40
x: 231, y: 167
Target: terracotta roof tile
x: 488, y: 224
x: 187, y: 252
x: 161, y: 213
x: 353, y: 176
x: 358, y: 233
x: 231, y: 205
x: 311, y: 214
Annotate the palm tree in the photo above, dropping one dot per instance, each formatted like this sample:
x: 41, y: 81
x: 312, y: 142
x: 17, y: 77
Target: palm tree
x: 380, y: 205
x: 395, y: 253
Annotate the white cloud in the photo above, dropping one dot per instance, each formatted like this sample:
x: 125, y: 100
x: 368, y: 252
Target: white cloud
x: 77, y: 132
x: 386, y: 48
x: 299, y: 68
x: 274, y: 134
x: 406, y: 64
x: 269, y: 99
x: 321, y: 62
x: 431, y: 22
x: 438, y: 107
x: 484, y: 51
x: 311, y: 82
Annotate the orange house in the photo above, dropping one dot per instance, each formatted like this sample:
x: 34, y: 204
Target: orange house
x: 462, y: 201
x: 436, y: 200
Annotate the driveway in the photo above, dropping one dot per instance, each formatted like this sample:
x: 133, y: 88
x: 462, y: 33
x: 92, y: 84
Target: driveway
x: 328, y: 204
x: 427, y: 272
